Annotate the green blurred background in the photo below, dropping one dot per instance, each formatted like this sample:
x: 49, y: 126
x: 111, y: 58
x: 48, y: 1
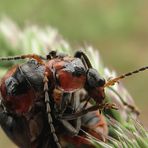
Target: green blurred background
x: 118, y: 28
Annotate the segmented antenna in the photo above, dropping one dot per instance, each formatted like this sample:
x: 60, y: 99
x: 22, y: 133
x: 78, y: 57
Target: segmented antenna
x: 113, y: 81
x: 28, y: 56
x: 48, y: 110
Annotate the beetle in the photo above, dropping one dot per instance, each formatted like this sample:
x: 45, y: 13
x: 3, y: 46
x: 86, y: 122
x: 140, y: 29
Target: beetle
x: 65, y: 73
x: 25, y: 84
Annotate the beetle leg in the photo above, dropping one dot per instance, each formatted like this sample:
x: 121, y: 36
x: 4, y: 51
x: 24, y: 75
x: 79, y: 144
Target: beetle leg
x: 68, y: 101
x: 76, y: 100
x: 48, y: 110
x: 87, y: 100
x: 61, y: 100
x: 72, y: 130
x: 90, y: 109
x: 84, y: 58
x: 80, y: 113
x: 64, y: 102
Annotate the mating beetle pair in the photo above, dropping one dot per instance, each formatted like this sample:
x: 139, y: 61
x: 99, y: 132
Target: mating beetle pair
x: 54, y: 79
x: 26, y: 84
x: 62, y: 72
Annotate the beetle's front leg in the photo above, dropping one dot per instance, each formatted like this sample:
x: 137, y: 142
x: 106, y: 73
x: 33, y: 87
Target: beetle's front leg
x: 16, y: 128
x: 89, y: 109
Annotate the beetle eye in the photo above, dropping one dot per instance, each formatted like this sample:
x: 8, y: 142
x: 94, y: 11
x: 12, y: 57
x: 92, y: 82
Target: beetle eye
x: 101, y: 82
x: 94, y: 79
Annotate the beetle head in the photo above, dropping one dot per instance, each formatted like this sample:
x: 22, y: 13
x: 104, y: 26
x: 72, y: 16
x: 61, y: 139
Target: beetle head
x: 94, y: 79
x: 95, y: 85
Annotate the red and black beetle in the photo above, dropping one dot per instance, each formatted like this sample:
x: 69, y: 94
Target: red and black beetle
x: 43, y: 78
x: 27, y: 83
x: 61, y: 72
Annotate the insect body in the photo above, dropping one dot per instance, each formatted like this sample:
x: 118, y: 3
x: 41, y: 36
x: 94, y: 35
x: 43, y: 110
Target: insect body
x: 25, y: 84
x: 65, y: 73
x: 41, y: 79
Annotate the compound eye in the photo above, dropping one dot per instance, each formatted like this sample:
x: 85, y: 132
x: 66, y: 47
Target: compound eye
x: 94, y: 79
x: 101, y: 82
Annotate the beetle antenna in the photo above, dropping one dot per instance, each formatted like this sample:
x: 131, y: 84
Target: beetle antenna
x: 28, y: 56
x: 113, y: 81
x: 48, y: 110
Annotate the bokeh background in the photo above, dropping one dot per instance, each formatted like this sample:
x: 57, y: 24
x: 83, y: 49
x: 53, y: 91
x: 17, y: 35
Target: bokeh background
x: 118, y: 28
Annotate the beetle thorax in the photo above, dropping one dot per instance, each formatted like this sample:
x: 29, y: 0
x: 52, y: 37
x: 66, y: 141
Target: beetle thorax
x: 69, y: 74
